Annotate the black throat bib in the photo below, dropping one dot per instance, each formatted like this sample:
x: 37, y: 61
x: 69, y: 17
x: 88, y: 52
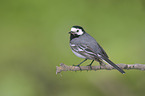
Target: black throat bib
x: 72, y: 36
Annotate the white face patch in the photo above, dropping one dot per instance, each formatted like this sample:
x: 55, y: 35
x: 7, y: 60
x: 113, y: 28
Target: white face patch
x: 77, y: 31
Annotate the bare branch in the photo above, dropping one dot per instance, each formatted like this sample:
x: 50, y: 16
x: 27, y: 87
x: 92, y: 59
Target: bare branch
x: 64, y: 67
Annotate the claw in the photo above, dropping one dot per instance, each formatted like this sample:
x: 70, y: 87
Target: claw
x: 100, y: 67
x: 90, y: 66
x: 78, y: 66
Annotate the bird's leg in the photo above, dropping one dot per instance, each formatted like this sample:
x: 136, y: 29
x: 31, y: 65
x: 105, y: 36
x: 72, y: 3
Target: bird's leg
x: 91, y: 64
x: 80, y: 64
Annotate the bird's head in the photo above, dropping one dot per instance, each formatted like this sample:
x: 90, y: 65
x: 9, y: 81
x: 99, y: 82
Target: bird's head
x: 77, y: 31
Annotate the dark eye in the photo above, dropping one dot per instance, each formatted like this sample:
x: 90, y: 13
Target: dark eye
x: 77, y: 30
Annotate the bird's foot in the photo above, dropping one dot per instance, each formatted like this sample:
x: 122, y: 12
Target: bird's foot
x: 100, y: 67
x: 78, y: 66
x: 90, y: 66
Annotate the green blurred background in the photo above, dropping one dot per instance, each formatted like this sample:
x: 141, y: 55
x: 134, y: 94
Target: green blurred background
x: 34, y: 40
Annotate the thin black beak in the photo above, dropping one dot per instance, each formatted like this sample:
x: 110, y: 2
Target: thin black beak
x: 70, y: 32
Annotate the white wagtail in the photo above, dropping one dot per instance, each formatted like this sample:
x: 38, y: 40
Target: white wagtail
x: 85, y: 46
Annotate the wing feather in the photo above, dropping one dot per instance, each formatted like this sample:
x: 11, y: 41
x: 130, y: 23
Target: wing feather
x: 84, y: 50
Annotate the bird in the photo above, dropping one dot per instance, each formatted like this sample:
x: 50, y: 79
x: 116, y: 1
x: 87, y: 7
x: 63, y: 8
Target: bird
x: 85, y: 46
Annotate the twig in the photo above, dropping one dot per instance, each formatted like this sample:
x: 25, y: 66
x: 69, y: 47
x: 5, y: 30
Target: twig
x: 64, y: 67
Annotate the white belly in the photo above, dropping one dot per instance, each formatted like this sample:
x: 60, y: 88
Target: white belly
x: 79, y: 55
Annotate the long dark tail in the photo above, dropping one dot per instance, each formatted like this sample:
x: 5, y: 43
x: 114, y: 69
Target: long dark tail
x: 111, y: 63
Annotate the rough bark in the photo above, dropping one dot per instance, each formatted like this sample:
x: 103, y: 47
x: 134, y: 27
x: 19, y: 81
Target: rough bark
x: 64, y: 67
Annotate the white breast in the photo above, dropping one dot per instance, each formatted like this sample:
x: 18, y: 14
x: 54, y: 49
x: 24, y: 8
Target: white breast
x: 79, y: 55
